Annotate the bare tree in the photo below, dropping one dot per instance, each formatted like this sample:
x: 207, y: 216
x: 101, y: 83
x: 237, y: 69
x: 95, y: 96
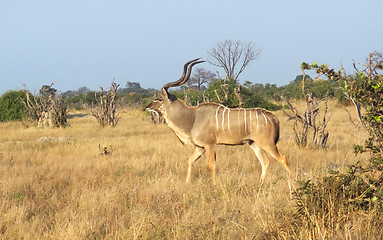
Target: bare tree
x: 233, y: 57
x: 201, y: 77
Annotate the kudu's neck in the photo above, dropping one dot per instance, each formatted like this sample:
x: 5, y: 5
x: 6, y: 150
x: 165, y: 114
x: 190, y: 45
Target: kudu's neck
x: 179, y: 115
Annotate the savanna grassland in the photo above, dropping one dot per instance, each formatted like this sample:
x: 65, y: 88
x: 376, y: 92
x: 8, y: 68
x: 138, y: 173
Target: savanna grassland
x: 55, y: 183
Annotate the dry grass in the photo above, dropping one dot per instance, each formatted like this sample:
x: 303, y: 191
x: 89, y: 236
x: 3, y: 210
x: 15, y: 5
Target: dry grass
x: 55, y: 183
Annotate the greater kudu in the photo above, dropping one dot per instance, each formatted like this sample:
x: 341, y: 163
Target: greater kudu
x: 209, y: 124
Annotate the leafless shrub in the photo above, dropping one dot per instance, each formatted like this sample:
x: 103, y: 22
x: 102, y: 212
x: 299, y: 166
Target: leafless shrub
x: 105, y: 109
x: 309, y: 120
x: 46, y: 108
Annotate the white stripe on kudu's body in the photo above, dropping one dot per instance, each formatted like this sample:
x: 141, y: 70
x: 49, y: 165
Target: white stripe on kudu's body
x: 216, y: 115
x: 265, y: 118
x: 223, y: 118
x: 239, y: 115
x: 251, y: 125
x: 205, y: 127
x: 228, y: 119
x: 256, y: 114
x: 244, y: 110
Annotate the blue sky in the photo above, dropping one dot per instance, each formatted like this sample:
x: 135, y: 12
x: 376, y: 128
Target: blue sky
x: 90, y: 42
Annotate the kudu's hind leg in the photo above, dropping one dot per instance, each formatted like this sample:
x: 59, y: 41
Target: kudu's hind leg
x: 210, y: 152
x: 197, y: 153
x: 273, y: 150
x: 262, y: 157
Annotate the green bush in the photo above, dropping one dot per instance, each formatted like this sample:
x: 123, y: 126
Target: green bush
x: 222, y: 91
x: 335, y: 199
x: 12, y: 107
x: 253, y: 95
x: 256, y: 101
x: 194, y: 96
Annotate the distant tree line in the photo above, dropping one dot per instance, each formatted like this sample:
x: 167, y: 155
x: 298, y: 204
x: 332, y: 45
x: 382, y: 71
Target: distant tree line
x: 133, y: 95
x: 203, y: 86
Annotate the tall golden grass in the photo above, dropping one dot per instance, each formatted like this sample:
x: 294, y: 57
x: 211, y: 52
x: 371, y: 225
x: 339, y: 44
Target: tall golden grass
x: 56, y: 184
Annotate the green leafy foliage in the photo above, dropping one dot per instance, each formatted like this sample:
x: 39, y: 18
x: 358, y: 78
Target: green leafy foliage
x: 319, y: 88
x: 12, y: 107
x: 191, y: 96
x: 80, y: 100
x: 256, y: 101
x: 332, y: 202
x: 222, y: 91
x: 360, y: 188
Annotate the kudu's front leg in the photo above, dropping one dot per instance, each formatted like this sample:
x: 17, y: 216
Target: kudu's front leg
x: 197, y: 153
